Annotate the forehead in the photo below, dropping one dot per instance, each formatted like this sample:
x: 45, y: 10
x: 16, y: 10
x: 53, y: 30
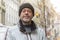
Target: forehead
x: 26, y: 9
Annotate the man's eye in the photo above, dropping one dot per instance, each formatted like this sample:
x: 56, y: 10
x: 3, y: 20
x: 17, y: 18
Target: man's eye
x: 23, y: 11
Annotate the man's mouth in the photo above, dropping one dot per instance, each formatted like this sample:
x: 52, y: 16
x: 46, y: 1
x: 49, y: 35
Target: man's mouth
x: 26, y: 17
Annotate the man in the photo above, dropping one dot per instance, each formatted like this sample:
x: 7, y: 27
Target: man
x: 26, y: 28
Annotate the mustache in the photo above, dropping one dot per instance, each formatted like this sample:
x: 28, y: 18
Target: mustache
x: 26, y: 16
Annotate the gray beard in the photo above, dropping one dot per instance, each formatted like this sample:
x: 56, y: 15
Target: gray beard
x: 26, y: 23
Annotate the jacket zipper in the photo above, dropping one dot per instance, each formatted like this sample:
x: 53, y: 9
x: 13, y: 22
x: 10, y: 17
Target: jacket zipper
x: 6, y: 34
x: 29, y: 37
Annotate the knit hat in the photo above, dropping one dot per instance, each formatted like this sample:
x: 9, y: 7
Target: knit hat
x: 26, y: 5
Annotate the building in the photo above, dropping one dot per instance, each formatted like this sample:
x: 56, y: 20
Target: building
x: 11, y: 14
x: 2, y: 12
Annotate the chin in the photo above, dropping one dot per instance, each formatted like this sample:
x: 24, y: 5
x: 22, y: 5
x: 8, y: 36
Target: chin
x: 26, y: 20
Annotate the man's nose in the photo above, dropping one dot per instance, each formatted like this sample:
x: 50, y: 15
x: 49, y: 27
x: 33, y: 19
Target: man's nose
x: 26, y: 12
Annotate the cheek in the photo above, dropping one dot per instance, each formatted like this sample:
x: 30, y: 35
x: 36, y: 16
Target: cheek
x: 21, y: 15
x: 31, y: 15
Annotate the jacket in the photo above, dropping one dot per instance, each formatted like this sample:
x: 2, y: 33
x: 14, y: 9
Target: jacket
x: 3, y: 32
x: 16, y: 34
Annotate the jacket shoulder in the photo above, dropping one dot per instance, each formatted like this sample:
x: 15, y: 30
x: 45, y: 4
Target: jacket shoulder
x: 13, y: 28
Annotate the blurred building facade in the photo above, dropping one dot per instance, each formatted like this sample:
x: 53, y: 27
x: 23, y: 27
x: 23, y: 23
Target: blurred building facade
x: 11, y: 14
x: 2, y: 12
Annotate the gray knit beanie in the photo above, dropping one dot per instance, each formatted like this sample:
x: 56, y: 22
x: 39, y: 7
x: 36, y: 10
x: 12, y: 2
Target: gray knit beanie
x: 26, y: 5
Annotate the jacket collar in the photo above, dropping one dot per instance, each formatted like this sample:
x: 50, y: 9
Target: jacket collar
x: 23, y: 30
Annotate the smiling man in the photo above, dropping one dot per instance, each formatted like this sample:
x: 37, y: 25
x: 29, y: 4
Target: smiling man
x: 26, y: 29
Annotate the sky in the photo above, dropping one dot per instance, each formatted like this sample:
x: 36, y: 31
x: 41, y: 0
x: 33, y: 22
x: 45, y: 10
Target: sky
x: 56, y: 4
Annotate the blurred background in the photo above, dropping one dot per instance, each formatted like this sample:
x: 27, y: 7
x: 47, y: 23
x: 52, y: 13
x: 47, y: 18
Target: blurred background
x: 47, y: 15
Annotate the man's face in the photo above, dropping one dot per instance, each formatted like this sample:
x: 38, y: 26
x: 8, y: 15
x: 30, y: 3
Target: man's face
x: 26, y: 15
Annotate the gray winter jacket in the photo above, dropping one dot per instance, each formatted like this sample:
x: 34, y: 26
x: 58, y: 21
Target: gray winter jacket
x: 16, y: 34
x: 3, y: 32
